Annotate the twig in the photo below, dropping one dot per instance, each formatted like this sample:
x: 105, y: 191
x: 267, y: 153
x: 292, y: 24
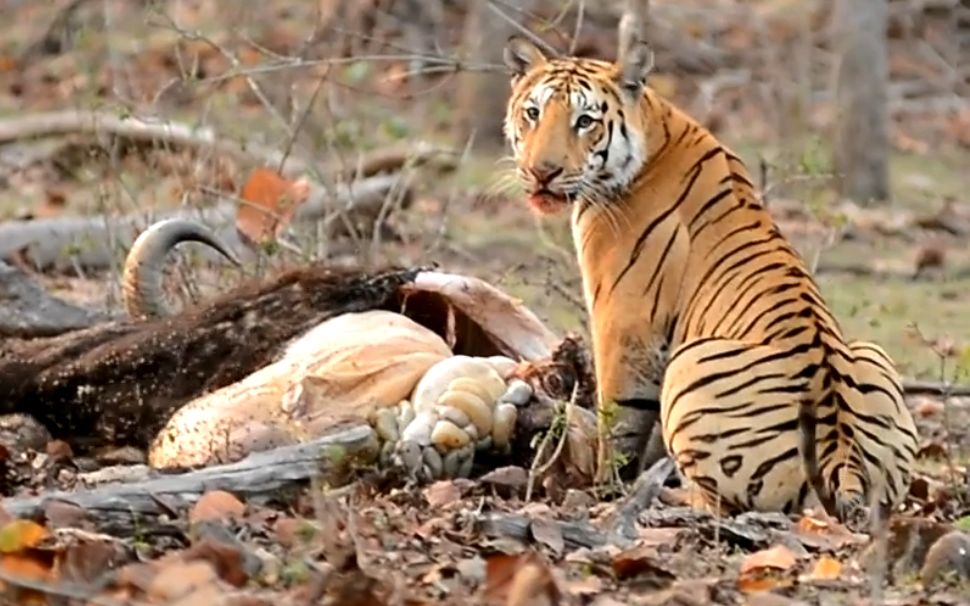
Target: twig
x: 494, y: 7
x: 535, y: 470
x: 936, y: 388
x: 580, y: 15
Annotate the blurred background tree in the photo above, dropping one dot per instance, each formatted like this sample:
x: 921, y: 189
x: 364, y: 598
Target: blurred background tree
x: 861, y: 145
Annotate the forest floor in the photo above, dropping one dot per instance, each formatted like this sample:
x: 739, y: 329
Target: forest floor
x: 895, y: 273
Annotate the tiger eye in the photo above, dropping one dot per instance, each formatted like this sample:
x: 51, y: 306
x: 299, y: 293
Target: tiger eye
x: 532, y: 113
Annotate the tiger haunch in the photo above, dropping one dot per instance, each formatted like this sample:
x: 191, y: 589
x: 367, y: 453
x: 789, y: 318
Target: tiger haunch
x: 700, y: 310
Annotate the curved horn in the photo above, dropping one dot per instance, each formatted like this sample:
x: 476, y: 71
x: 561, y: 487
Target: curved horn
x: 142, y: 279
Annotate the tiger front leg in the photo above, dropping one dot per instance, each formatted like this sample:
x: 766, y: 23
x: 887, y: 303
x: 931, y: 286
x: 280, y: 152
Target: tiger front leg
x: 459, y: 408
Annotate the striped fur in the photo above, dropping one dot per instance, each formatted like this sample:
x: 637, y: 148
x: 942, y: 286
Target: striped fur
x: 699, y: 308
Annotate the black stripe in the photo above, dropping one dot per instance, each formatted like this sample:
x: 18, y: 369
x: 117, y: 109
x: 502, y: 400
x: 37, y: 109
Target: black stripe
x: 748, y: 384
x: 712, y: 377
x: 769, y: 464
x: 639, y: 404
x: 723, y: 279
x: 707, y: 206
x: 661, y: 262
x: 741, y: 306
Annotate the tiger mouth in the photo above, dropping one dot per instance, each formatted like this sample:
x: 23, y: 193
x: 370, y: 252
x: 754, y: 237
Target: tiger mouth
x: 546, y: 201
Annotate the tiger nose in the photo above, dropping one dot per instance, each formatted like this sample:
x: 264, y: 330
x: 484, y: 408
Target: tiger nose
x: 544, y: 173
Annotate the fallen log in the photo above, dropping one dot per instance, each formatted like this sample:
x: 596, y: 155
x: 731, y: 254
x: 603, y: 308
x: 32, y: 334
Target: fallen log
x: 160, y: 501
x: 26, y: 310
x: 98, y: 242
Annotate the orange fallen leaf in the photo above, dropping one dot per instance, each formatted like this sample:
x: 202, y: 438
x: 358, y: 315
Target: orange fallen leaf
x: 766, y: 569
x: 268, y: 204
x: 778, y: 557
x: 216, y: 505
x: 823, y: 532
x: 21, y: 534
x: 17, y: 566
x: 826, y: 568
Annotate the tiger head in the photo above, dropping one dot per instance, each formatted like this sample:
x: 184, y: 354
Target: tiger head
x: 575, y: 125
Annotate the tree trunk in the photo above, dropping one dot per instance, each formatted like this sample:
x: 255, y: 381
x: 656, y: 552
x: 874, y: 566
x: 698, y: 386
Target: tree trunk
x: 861, y: 137
x: 481, y: 97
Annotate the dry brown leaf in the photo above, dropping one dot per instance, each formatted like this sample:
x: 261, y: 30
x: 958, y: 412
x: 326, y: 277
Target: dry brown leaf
x: 291, y: 532
x: 659, y: 536
x: 216, y: 505
x: 548, y: 533
x: 178, y: 579
x: 225, y: 558
x: 268, y: 204
x: 766, y: 569
x: 62, y: 514
x: 826, y: 568
x: 778, y: 557
x: 441, y: 493
x: 823, y: 532
x: 520, y: 580
x: 637, y: 561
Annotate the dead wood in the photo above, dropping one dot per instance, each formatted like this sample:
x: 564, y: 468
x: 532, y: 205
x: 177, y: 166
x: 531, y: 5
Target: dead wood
x: 97, y: 242
x: 27, y: 311
x: 517, y: 526
x: 935, y: 388
x: 170, y: 134
x: 119, y: 382
x: 152, y: 505
x: 645, y: 489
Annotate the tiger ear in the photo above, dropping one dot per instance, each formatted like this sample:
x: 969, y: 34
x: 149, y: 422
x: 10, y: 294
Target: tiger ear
x: 521, y: 55
x: 633, y: 66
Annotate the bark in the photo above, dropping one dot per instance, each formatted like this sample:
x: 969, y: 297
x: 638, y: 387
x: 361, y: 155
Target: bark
x: 481, y: 97
x: 862, y: 125
x: 96, y: 242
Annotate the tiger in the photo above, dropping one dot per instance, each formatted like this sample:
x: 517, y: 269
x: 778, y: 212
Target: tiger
x: 701, y: 314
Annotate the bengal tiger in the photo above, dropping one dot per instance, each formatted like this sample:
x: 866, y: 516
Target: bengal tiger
x: 700, y: 311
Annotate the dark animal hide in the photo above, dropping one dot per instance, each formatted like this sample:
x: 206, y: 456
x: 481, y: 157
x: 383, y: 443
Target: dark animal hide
x: 119, y: 382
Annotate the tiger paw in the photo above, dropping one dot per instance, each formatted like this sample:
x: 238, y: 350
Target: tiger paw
x: 462, y: 405
x: 853, y: 513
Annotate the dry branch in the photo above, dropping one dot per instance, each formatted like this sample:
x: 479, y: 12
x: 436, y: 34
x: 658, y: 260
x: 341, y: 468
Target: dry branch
x: 197, y: 138
x: 121, y: 509
x: 935, y: 388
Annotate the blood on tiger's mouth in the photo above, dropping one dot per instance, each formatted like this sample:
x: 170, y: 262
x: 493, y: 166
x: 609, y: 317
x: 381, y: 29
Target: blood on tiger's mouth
x: 547, y: 202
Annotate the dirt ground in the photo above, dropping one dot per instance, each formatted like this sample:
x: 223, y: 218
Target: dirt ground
x: 897, y: 273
